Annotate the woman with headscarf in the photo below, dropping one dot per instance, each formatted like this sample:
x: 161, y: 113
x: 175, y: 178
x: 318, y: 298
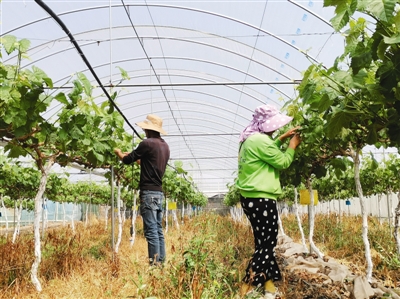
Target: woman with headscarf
x: 260, y: 160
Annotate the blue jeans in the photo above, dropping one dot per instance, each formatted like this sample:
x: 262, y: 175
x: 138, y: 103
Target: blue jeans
x: 152, y: 214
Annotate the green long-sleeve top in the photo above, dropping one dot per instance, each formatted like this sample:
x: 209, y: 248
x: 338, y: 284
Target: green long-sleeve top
x: 260, y: 160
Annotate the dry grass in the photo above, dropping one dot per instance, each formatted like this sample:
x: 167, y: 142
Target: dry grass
x: 341, y: 239
x: 205, y: 259
x: 82, y: 265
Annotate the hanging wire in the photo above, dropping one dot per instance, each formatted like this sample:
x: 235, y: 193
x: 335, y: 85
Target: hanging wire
x: 248, y: 67
x: 111, y: 40
x: 73, y: 41
x: 157, y: 77
x: 76, y: 45
x: 133, y: 209
x: 162, y: 52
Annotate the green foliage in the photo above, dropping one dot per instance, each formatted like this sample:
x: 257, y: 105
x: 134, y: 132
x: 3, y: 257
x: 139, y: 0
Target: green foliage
x: 18, y: 183
x: 343, y: 11
x: 232, y: 197
x: 10, y: 44
x: 287, y: 194
x: 373, y: 50
x: 380, y: 177
x: 389, y: 259
x: 82, y: 131
x: 62, y: 190
x: 196, y: 255
x: 316, y: 151
x: 206, y: 269
x: 336, y: 185
x: 199, y: 200
x: 180, y: 188
x: 354, y: 102
x: 124, y: 74
x: 98, y: 251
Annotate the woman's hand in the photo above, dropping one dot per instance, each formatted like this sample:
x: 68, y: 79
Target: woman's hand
x: 295, y: 141
x: 289, y: 133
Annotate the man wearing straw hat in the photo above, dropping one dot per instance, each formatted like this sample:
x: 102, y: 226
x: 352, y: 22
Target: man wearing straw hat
x: 153, y: 155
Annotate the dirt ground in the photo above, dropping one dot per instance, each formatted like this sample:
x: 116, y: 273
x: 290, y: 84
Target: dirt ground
x: 299, y: 284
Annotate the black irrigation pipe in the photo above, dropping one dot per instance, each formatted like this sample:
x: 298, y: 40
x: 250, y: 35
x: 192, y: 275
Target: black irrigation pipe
x: 71, y: 37
x: 73, y: 41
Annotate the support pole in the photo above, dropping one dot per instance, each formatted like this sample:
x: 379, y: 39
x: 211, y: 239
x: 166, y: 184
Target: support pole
x: 112, y: 211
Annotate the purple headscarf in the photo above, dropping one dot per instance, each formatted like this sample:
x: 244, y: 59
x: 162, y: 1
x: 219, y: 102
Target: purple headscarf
x: 266, y: 118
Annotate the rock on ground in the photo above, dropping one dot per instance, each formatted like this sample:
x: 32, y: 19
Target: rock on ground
x: 305, y: 276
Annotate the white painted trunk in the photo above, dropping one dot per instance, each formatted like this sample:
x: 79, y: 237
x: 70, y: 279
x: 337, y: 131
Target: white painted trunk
x: 379, y: 208
x: 397, y: 225
x: 393, y: 215
x: 134, y: 216
x: 106, y: 217
x: 392, y: 209
x: 388, y: 211
x: 56, y: 212
x: 166, y: 215
x: 133, y: 222
x: 313, y: 247
x: 119, y: 219
x: 329, y: 208
x: 356, y: 159
x: 296, y: 206
x: 183, y: 212
x: 18, y: 212
x: 5, y: 213
x: 281, y: 225
x: 232, y: 211
x: 19, y: 215
x: 86, y: 214
x: 236, y: 213
x: 17, y: 222
x: 45, y: 217
x: 123, y: 213
x: 240, y: 214
x: 72, y: 218
x: 189, y: 210
x: 63, y: 206
x: 18, y: 225
x: 15, y: 225
x: 175, y: 218
x: 36, y: 224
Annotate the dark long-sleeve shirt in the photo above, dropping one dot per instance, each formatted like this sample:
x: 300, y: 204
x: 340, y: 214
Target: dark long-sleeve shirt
x: 153, y: 154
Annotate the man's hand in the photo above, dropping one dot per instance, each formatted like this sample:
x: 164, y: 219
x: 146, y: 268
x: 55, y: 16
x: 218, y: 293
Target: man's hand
x: 119, y: 153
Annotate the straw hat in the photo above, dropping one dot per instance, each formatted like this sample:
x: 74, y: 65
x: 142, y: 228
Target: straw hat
x: 152, y: 122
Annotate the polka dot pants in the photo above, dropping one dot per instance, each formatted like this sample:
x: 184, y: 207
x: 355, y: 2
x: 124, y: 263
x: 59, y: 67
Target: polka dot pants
x: 263, y: 216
